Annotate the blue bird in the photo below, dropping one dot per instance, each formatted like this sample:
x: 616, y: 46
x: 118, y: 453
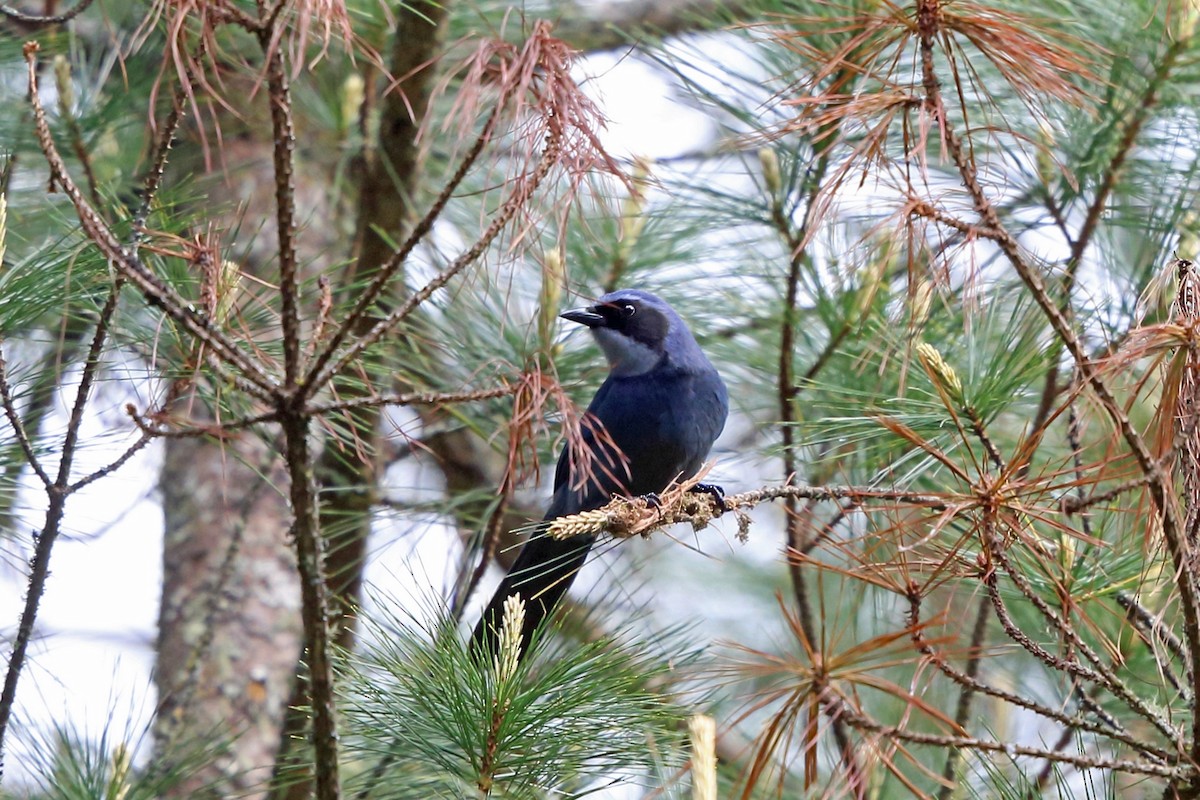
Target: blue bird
x: 660, y: 410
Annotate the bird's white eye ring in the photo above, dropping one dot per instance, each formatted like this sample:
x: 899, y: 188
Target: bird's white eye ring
x: 629, y: 309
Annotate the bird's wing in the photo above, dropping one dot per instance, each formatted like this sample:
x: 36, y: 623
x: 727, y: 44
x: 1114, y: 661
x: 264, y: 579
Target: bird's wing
x: 709, y: 407
x: 562, y: 472
x: 656, y: 428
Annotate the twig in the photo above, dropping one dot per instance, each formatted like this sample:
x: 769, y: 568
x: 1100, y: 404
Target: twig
x: 283, y: 152
x: 150, y: 187
x: 1096, y: 208
x: 227, y: 374
x: 113, y: 465
x: 1172, y: 769
x: 509, y: 210
x: 974, y: 684
x: 823, y: 358
x: 36, y: 19
x: 412, y: 399
x: 967, y: 689
x: 1075, y: 504
x: 217, y: 430
x: 827, y: 528
x: 980, y: 431
x: 42, y: 394
x: 90, y: 366
x: 57, y: 494
x: 923, y: 208
x: 18, y: 426
x: 74, y: 131
x: 1101, y: 674
x: 1152, y: 623
x: 39, y: 570
x: 623, y: 517
x: 388, y: 270
x: 39, y: 396
x: 324, y: 312
x: 1068, y: 733
x: 962, y: 713
x: 162, y: 144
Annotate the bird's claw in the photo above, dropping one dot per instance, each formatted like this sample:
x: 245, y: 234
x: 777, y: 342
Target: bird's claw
x: 713, y: 491
x: 652, y: 499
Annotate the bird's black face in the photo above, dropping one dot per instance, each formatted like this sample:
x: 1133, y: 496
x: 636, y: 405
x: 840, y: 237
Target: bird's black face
x: 633, y: 318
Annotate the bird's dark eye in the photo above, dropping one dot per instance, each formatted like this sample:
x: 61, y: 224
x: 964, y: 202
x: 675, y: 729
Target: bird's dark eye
x: 628, y: 309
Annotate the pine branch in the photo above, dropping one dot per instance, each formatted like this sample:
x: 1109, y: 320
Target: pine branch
x: 1159, y: 483
x: 126, y: 261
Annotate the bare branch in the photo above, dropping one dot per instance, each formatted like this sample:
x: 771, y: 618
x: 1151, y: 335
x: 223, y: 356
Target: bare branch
x: 624, y: 517
x: 390, y: 269
x: 1074, y: 504
x: 972, y: 682
x: 283, y: 151
x: 18, y: 425
x: 1173, y: 769
x: 36, y: 19
x: 57, y: 493
x: 1101, y: 674
x: 39, y: 570
x: 314, y: 595
x: 114, y: 465
x: 413, y: 398
x: 218, y: 430
x: 512, y: 205
x: 1152, y: 623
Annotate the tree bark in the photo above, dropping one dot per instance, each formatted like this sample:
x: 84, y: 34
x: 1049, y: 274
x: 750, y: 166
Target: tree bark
x: 229, y: 624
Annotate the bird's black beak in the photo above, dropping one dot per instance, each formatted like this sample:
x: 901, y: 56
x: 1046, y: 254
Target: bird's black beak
x: 584, y: 316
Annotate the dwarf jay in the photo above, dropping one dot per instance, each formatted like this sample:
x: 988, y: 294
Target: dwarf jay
x: 658, y: 413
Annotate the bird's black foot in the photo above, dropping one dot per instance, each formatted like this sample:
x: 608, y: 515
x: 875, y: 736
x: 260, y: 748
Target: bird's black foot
x: 652, y: 499
x: 715, y: 492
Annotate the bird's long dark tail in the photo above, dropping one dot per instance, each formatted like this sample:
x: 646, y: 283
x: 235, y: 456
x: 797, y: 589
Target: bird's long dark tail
x: 542, y: 573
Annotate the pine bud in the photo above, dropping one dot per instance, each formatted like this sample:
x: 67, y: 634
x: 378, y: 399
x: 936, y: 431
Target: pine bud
x: 870, y: 278
x: 633, y: 212
x: 508, y: 654
x: 1048, y: 171
x: 353, y: 94
x: 702, y: 731
x: 553, y: 278
x: 920, y: 300
x: 1185, y: 22
x: 229, y: 279
x: 939, y: 371
x: 62, y: 82
x: 768, y: 159
x: 578, y: 524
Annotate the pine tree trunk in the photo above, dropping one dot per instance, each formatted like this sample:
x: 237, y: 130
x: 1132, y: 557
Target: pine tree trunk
x: 229, y: 626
